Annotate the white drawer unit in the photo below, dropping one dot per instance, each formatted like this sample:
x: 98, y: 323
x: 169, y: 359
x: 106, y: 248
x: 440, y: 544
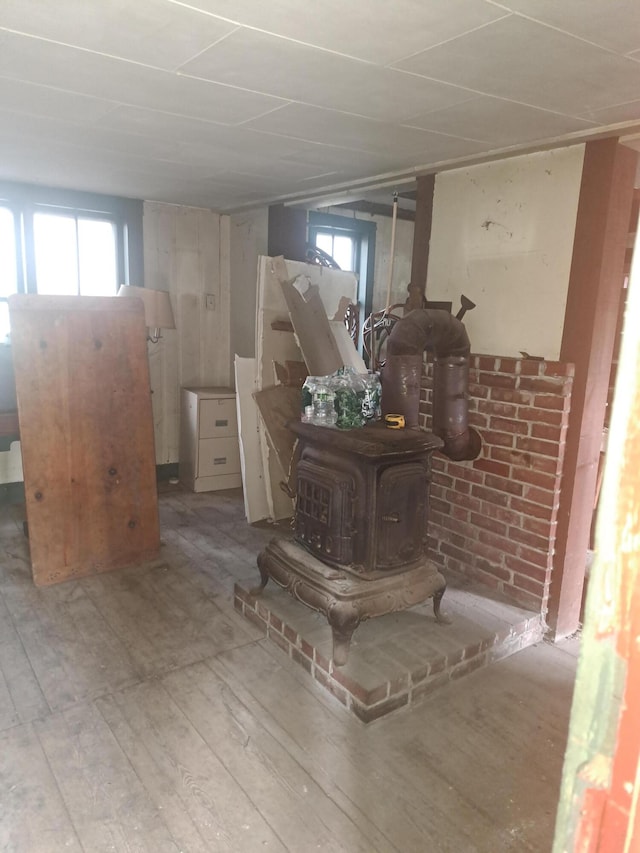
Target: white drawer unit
x: 209, y: 448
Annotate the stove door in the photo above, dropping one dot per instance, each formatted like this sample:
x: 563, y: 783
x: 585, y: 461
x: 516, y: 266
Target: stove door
x: 401, y: 517
x: 324, y: 512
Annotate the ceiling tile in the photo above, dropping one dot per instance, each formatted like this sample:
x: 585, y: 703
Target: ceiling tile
x: 500, y: 122
x: 337, y: 128
x: 36, y: 61
x: 614, y: 24
x: 524, y: 61
x: 287, y: 69
x: 153, y: 32
x: 616, y: 114
x: 378, y: 30
x: 45, y: 101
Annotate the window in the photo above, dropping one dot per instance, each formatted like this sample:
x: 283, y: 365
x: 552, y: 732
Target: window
x: 352, y: 245
x: 59, y: 242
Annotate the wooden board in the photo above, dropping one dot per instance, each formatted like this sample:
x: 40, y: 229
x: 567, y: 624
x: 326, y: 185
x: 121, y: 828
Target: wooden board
x: 278, y: 406
x: 86, y: 430
x: 256, y: 506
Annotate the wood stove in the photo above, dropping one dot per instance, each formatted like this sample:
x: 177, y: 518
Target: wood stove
x: 360, y: 526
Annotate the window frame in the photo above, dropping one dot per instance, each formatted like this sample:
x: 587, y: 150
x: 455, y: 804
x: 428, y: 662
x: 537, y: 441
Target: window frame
x: 364, y: 234
x: 25, y: 200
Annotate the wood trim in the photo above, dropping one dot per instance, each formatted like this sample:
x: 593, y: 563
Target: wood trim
x: 595, y: 288
x: 421, y: 239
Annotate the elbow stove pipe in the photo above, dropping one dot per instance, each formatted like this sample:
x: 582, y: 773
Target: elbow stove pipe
x: 446, y: 337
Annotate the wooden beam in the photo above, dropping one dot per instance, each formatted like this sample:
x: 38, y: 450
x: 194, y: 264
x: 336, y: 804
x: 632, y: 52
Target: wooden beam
x: 421, y: 238
x: 595, y: 289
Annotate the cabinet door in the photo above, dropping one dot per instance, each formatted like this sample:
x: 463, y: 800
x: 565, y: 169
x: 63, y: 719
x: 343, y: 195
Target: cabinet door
x: 401, y: 518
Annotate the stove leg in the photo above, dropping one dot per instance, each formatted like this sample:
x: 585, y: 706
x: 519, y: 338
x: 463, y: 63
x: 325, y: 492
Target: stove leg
x: 264, y: 577
x: 442, y: 618
x: 343, y: 623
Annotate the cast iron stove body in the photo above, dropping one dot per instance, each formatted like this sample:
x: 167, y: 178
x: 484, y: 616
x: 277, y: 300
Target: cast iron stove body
x: 360, y: 546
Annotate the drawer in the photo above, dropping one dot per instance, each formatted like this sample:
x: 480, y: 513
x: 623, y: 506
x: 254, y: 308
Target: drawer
x: 218, y: 456
x: 218, y: 418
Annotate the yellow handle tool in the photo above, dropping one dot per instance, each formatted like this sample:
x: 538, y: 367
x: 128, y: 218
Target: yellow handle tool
x: 394, y: 421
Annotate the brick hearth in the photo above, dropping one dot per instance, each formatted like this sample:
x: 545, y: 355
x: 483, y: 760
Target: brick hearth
x: 395, y: 660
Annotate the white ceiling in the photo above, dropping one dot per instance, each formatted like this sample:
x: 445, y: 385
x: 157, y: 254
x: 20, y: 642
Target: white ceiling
x: 227, y: 103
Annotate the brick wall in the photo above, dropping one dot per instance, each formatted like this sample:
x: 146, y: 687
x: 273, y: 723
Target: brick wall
x: 494, y: 519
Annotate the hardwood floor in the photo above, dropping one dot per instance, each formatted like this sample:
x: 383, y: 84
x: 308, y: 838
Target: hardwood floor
x: 140, y: 712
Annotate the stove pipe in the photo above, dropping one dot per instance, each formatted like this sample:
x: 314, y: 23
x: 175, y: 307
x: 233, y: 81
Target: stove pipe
x: 442, y: 334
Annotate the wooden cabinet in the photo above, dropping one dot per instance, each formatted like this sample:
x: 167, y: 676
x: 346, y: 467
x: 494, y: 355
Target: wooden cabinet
x: 209, y: 449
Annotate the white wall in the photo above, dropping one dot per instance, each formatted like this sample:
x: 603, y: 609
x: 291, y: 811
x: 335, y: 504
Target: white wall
x: 248, y: 233
x: 186, y: 253
x: 502, y: 234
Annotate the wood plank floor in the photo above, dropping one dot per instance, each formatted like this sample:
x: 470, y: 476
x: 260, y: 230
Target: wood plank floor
x: 140, y: 712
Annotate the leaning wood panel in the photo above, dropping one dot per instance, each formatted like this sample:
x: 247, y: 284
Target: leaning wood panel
x: 86, y: 430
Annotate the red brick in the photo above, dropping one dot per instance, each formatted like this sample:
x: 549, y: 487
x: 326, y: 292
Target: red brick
x: 545, y: 416
x: 491, y: 407
x: 523, y: 582
x: 487, y: 578
x: 440, y: 506
x: 509, y: 365
x: 559, y: 368
x: 530, y: 509
x: 460, y: 513
x: 442, y: 479
x: 541, y: 559
x: 466, y: 472
x: 307, y: 648
x: 536, y: 445
x: 488, y: 523
x: 291, y: 635
x: 492, y: 467
x: 462, y: 486
x: 504, y: 395
x: 510, y: 456
x: 468, y: 666
x: 276, y: 622
x: 486, y: 362
x: 541, y: 527
x: 499, y: 542
x: 541, y: 575
x: 508, y: 425
x: 489, y: 495
x: 303, y: 660
x: 476, y: 420
x: 500, y: 513
x: 535, y: 478
x: 501, y: 439
x: 526, y: 599
x: 502, y: 484
x: 541, y: 496
x: 476, y: 390
x: 531, y: 367
x: 547, y: 432
x: 466, y: 501
x: 545, y: 385
x: 330, y: 685
x: 253, y: 617
x: 527, y: 538
x: 482, y: 551
x: 456, y: 553
x: 548, y: 464
x: 498, y: 380
x: 549, y: 401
